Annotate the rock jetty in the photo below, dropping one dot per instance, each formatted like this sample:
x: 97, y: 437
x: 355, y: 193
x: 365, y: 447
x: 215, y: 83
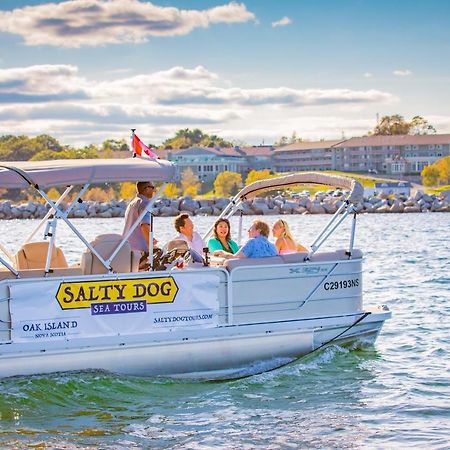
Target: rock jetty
x: 322, y: 203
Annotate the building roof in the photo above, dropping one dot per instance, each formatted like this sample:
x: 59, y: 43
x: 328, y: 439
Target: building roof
x: 406, y: 139
x: 306, y: 145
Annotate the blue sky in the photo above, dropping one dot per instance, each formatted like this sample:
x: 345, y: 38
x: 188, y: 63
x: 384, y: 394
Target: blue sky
x: 252, y: 71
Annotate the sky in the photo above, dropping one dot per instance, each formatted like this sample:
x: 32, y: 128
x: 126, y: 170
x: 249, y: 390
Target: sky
x: 85, y: 71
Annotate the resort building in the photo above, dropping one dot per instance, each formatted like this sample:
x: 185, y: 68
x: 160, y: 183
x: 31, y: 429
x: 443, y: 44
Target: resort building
x: 207, y: 162
x: 391, y: 155
x: 305, y: 156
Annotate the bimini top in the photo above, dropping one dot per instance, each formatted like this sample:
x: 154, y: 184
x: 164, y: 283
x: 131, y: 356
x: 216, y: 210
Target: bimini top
x: 252, y: 190
x: 66, y: 172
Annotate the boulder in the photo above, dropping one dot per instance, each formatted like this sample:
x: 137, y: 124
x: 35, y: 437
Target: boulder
x: 168, y: 211
x: 316, y: 208
x: 397, y: 207
x: 411, y: 209
x: 383, y: 209
x: 189, y: 204
x: 204, y: 211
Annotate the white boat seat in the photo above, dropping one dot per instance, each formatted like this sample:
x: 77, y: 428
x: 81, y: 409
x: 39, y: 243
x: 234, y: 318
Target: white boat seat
x: 336, y: 255
x: 231, y: 264
x: 33, y: 255
x: 125, y: 261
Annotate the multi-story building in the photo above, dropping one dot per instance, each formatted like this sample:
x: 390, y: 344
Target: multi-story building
x: 392, y: 155
x: 205, y: 162
x: 304, y: 156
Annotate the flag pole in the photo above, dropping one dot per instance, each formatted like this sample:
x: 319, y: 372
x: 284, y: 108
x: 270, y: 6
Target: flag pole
x: 132, y: 141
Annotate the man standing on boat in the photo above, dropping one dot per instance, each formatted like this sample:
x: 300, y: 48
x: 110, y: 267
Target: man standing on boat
x: 139, y: 238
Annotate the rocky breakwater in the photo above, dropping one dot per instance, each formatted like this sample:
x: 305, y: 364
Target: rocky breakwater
x: 321, y: 203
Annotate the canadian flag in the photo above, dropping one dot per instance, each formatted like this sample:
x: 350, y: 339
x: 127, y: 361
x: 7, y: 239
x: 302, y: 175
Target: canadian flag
x: 141, y: 150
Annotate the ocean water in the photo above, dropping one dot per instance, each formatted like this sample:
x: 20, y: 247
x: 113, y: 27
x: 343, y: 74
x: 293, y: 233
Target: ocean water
x: 395, y: 394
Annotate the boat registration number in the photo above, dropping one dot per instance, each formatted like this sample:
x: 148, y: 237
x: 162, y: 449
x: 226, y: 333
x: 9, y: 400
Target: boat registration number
x: 342, y: 284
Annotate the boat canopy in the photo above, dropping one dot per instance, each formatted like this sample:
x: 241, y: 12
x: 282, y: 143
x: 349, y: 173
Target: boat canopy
x: 252, y: 190
x: 45, y: 174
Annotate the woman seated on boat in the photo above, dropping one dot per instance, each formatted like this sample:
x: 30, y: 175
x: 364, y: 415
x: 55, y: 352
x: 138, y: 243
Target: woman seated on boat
x: 258, y: 246
x: 285, y: 242
x: 222, y: 242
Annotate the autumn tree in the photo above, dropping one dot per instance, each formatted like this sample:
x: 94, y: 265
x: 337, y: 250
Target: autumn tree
x: 430, y: 175
x: 256, y: 175
x: 437, y: 173
x: 190, y: 184
x: 171, y: 190
x: 227, y: 183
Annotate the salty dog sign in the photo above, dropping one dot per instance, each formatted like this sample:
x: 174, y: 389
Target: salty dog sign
x: 116, y: 296
x: 52, y: 309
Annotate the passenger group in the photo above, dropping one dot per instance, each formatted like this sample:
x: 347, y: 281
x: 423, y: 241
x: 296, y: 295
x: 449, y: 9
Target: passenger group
x: 221, y: 244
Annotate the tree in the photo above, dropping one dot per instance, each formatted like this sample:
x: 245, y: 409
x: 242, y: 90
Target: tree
x: 397, y: 125
x: 171, y: 190
x: 227, y: 183
x: 190, y: 184
x: 186, y: 137
x: 256, y: 175
x: 115, y: 145
x: 421, y: 126
x: 127, y: 190
x: 430, y: 175
x: 437, y: 173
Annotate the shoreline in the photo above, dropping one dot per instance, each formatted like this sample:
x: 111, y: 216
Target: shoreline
x: 322, y: 203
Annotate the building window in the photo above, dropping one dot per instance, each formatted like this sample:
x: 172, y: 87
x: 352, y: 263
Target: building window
x: 199, y: 168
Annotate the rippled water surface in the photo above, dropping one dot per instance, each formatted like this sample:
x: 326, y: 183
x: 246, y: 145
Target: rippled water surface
x: 396, y: 394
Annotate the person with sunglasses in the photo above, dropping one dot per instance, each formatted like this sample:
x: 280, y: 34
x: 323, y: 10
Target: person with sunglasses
x: 139, y: 238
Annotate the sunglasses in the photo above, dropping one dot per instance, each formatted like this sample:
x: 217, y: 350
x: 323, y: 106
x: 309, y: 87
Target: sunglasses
x: 150, y: 186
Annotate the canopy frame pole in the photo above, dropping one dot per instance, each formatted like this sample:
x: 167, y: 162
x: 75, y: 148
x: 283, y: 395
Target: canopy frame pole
x: 352, y: 236
x: 318, y: 243
x: 60, y: 214
x: 6, y: 252
x: 136, y: 223
x: 240, y: 228
x: 48, y: 214
x: 9, y: 267
x: 50, y: 232
x: 333, y: 219
x: 150, y: 244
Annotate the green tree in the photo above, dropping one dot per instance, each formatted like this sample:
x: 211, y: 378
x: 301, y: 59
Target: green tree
x: 227, y: 183
x: 115, y: 145
x: 186, y: 137
x: 190, y: 184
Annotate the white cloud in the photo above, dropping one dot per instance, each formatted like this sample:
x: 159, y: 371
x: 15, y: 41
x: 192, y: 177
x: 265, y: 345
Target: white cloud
x: 76, y: 23
x: 284, y: 21
x: 58, y: 100
x: 368, y: 75
x: 402, y: 72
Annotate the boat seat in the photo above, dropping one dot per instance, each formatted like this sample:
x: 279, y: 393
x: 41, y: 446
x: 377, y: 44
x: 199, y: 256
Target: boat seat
x: 231, y: 264
x: 336, y: 255
x: 125, y: 261
x: 33, y: 255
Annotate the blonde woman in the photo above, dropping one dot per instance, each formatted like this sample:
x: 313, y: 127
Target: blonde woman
x: 285, y: 243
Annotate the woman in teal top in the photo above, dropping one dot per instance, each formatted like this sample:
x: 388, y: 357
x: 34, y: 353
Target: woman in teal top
x: 222, y: 242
